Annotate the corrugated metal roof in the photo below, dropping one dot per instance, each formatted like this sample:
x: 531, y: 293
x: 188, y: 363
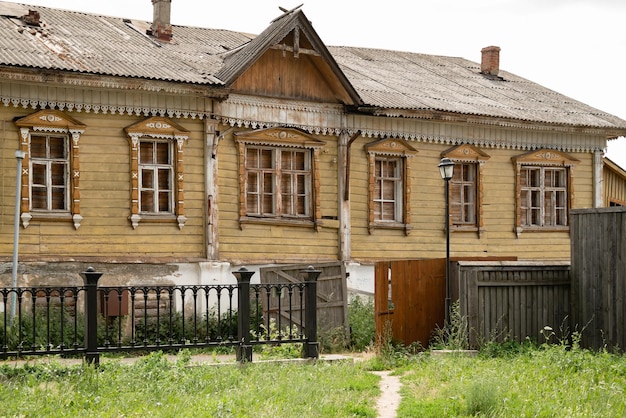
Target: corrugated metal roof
x: 395, y: 80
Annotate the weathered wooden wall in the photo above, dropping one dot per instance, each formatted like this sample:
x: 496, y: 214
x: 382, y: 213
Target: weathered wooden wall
x: 599, y: 276
x: 512, y: 299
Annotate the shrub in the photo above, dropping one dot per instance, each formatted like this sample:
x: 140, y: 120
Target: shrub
x: 362, y: 325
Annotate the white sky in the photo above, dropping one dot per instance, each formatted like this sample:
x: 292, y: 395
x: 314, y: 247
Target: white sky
x: 575, y: 47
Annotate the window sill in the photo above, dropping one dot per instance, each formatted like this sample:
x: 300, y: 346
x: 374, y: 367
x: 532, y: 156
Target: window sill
x: 520, y: 229
x: 158, y: 218
x: 27, y: 217
x: 390, y: 226
x: 303, y: 223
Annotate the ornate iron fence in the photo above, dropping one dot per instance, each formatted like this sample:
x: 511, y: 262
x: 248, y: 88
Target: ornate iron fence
x: 90, y: 320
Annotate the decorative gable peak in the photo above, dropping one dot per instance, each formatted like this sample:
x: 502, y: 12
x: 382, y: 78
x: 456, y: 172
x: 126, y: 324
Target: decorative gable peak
x: 51, y: 121
x: 546, y: 157
x: 466, y: 153
x: 279, y: 136
x: 389, y: 146
x: 157, y: 127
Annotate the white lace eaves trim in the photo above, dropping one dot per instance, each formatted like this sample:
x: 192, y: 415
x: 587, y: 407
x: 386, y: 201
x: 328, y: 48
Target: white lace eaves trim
x: 95, y: 108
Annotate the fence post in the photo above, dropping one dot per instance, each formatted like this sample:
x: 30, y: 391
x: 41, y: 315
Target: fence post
x: 90, y: 277
x: 244, y: 349
x: 311, y: 347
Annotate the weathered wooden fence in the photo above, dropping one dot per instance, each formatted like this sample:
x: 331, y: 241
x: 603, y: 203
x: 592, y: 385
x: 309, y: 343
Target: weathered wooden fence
x: 512, y: 299
x: 598, y: 252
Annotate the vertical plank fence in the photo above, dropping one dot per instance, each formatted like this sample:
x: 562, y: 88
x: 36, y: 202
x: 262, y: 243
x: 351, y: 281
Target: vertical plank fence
x: 598, y: 252
x: 514, y: 300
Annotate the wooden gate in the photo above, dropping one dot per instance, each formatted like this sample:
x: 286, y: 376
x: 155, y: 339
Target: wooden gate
x: 409, y: 299
x: 332, y: 294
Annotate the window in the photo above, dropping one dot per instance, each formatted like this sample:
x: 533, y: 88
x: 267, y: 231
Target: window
x: 463, y: 186
x: 156, y: 171
x: 389, y: 184
x: 279, y: 169
x: 544, y: 195
x: 466, y: 187
x: 50, y: 169
x: 388, y: 189
x: 278, y: 182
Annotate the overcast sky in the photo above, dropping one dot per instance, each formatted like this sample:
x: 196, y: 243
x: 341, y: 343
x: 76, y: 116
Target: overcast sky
x: 575, y: 47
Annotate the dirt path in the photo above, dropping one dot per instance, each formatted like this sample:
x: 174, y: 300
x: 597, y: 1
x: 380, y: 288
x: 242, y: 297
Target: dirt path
x: 389, y: 400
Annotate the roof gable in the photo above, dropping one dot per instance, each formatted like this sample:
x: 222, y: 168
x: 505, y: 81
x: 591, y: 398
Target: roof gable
x: 291, y: 61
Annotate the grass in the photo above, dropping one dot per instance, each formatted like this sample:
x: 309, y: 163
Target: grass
x: 152, y: 386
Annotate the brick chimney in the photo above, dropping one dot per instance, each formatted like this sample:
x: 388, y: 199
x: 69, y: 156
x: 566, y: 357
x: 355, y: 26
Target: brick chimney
x: 161, y: 27
x: 490, y: 63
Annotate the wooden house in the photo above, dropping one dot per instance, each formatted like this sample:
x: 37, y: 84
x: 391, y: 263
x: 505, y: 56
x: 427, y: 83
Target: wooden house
x: 177, y: 154
x: 613, y: 184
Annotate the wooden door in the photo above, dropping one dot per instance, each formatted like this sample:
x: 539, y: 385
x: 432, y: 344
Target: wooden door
x: 409, y: 300
x: 332, y: 294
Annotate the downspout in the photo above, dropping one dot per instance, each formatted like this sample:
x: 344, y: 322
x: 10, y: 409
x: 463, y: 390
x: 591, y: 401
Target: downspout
x: 211, y: 164
x: 598, y: 199
x: 344, y: 195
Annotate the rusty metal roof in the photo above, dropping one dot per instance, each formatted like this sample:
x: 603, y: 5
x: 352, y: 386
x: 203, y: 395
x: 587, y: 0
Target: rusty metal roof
x: 391, y: 81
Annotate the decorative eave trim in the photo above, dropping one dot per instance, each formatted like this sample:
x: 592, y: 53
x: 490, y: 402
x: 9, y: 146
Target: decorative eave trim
x: 433, y: 115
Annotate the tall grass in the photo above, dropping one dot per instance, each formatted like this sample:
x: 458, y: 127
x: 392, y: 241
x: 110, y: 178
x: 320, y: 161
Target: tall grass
x: 153, y: 386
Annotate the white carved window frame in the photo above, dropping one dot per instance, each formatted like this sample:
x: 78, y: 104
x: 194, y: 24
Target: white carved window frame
x: 51, y: 122
x: 157, y: 129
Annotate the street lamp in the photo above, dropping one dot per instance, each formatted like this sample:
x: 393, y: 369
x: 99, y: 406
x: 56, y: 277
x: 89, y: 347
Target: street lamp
x: 446, y: 169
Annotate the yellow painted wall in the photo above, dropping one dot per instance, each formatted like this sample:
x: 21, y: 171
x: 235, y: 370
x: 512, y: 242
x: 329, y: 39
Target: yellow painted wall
x: 427, y: 238
x: 105, y: 232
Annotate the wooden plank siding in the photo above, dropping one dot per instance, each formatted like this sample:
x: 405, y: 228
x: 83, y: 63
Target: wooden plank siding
x: 427, y: 238
x: 106, y: 232
x: 599, y: 276
x: 512, y: 300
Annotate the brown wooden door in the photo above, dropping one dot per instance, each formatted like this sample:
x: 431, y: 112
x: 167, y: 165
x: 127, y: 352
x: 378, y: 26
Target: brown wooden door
x: 409, y: 300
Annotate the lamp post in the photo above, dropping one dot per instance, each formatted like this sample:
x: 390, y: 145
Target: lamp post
x: 446, y: 169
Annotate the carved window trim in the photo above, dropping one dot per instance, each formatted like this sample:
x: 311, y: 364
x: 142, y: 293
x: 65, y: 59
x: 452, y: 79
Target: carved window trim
x: 280, y: 139
x: 466, y: 154
x: 51, y: 122
x: 542, y: 159
x: 157, y: 129
x: 395, y: 149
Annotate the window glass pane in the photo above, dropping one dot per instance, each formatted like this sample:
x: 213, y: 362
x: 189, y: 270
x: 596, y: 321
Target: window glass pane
x: 163, y: 153
x: 57, y: 147
x: 38, y: 146
x: 164, y: 201
x: 252, y: 158
x: 146, y: 153
x: 39, y: 198
x: 58, y: 198
x: 57, y: 174
x: 147, y: 179
x: 267, y: 161
x: 39, y: 174
x: 164, y: 179
x: 147, y: 201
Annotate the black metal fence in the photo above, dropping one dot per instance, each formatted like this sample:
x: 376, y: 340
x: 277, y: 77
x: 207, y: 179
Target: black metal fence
x: 90, y: 320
